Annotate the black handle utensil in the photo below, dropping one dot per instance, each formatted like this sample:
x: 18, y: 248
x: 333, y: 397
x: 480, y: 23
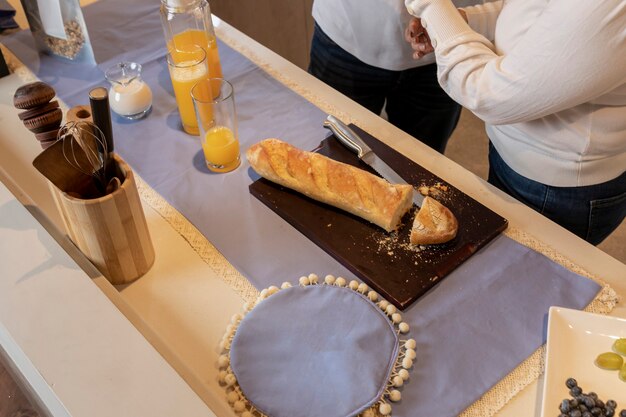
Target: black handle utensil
x: 101, y: 115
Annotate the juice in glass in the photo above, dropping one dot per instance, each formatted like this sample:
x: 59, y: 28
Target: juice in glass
x: 187, y: 67
x: 221, y: 149
x: 214, y: 101
x: 201, y: 38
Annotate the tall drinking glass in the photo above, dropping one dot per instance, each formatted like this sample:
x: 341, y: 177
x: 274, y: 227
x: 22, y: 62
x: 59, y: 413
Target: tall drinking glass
x: 187, y: 66
x: 214, y: 100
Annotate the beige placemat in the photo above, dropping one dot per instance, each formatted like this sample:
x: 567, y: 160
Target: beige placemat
x: 494, y: 399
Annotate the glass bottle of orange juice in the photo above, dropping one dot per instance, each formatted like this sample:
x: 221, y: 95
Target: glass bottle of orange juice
x: 187, y: 23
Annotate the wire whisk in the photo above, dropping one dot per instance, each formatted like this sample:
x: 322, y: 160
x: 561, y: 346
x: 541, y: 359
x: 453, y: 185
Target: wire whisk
x: 85, y: 148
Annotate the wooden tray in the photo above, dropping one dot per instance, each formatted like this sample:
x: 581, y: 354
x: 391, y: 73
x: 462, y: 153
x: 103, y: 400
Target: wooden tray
x: 385, y: 261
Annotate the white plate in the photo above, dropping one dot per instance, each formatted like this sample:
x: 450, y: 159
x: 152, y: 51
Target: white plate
x: 575, y: 339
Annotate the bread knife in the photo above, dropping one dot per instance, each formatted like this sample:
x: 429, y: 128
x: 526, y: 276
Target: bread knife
x: 352, y: 141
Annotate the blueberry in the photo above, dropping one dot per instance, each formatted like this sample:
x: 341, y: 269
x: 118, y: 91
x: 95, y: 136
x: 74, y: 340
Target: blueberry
x: 575, y: 413
x: 576, y: 391
x: 593, y: 395
x: 571, y: 383
x: 589, y: 402
x: 622, y: 413
x: 609, y: 412
x: 611, y: 403
x: 599, y: 403
x: 596, y: 411
x: 564, y: 407
x: 587, y: 414
x: 573, y: 403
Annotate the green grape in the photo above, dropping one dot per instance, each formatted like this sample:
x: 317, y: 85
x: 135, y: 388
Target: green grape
x: 620, y: 346
x: 622, y: 373
x: 609, y: 360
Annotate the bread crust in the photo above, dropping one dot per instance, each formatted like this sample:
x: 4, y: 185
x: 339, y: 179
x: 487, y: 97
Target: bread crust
x: 434, y: 223
x: 335, y: 183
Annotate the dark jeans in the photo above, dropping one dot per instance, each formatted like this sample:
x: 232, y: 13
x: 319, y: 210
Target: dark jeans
x: 415, y: 101
x: 591, y: 212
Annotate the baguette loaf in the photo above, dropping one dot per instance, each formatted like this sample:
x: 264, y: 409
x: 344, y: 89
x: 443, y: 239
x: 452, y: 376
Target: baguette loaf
x: 434, y: 223
x: 332, y: 182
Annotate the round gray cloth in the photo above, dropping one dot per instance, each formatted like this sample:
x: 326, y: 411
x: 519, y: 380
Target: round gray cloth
x: 314, y: 351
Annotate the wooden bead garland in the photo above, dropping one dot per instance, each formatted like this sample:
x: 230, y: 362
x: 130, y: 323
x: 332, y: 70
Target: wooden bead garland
x: 399, y: 373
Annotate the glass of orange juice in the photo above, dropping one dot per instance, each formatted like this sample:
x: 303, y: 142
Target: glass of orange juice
x: 187, y: 66
x: 206, y: 41
x: 214, y: 100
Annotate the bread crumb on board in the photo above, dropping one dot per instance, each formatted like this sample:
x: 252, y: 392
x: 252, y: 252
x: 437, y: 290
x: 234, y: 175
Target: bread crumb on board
x: 392, y: 241
x: 434, y: 191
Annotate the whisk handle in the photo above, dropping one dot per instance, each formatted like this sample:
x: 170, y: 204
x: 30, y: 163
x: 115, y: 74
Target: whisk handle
x: 101, y: 113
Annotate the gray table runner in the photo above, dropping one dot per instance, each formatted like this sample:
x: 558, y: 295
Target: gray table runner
x: 471, y: 330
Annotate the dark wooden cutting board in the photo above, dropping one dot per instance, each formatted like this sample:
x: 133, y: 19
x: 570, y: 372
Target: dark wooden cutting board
x: 385, y: 261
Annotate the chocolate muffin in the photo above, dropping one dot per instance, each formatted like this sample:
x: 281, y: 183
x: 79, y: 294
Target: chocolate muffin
x: 47, y: 136
x: 33, y: 95
x: 38, y: 111
x: 48, y: 121
x: 41, y: 116
x: 45, y: 144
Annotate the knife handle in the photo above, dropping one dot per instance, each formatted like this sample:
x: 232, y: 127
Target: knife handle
x: 347, y: 136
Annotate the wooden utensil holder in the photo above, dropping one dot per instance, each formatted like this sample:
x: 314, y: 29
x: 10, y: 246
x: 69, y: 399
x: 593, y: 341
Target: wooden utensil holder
x: 111, y: 230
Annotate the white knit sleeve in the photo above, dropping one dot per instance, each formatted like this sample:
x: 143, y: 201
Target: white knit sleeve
x: 482, y: 18
x: 573, y: 52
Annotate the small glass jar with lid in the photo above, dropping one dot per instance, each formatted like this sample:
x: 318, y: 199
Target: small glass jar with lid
x: 129, y: 95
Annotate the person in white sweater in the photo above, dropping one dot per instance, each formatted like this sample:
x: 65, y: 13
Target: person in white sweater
x: 548, y: 77
x: 358, y: 48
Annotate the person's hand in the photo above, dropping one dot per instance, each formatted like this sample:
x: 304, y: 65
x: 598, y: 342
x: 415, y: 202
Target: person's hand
x: 418, y: 37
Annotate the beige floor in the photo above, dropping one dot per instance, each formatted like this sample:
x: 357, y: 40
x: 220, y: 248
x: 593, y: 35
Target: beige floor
x: 468, y: 147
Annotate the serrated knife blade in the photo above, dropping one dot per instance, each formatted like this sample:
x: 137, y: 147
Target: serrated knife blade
x: 353, y: 141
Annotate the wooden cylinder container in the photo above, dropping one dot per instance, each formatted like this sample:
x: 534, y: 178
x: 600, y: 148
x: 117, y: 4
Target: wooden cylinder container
x: 111, y: 230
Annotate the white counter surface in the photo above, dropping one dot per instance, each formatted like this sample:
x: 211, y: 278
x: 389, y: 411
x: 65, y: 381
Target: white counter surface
x: 77, y: 351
